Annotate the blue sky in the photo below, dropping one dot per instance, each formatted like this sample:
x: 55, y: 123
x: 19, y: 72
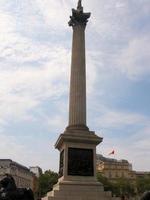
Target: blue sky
x: 35, y: 51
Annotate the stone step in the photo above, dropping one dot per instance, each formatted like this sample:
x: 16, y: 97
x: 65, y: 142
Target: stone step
x: 74, y: 192
x: 81, y: 198
x: 48, y: 198
x: 78, y: 195
x: 74, y: 198
x: 66, y: 191
x: 73, y: 188
x: 51, y: 193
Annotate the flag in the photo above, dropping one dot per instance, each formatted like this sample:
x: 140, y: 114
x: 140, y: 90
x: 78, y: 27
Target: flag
x: 112, y: 152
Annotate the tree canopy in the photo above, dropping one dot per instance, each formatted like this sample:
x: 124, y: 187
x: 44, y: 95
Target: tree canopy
x: 143, y: 184
x: 46, y: 182
x: 118, y: 187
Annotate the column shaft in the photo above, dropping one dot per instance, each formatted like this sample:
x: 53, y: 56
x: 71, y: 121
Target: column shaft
x: 77, y: 104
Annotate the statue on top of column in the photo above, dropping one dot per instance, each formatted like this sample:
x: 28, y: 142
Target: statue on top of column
x: 78, y: 16
x: 79, y: 7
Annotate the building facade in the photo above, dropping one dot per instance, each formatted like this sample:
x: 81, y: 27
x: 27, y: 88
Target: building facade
x: 115, y: 169
x: 36, y: 170
x: 142, y: 174
x: 22, y: 175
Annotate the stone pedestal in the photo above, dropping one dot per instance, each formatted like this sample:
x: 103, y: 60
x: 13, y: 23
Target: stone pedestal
x: 77, y: 155
x: 78, y: 168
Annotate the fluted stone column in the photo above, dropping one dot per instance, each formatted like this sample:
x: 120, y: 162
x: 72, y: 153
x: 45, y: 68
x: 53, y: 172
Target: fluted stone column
x: 77, y: 144
x: 77, y: 100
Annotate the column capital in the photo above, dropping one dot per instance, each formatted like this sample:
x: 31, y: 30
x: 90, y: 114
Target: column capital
x: 78, y: 16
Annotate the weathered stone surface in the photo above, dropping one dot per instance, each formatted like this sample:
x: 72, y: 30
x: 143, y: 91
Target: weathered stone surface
x: 78, y: 191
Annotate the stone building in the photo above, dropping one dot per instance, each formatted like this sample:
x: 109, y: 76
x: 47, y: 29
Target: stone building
x: 142, y: 174
x: 36, y: 170
x: 114, y: 169
x: 22, y: 175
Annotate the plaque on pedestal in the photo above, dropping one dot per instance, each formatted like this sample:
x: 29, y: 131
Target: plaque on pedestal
x: 80, y: 162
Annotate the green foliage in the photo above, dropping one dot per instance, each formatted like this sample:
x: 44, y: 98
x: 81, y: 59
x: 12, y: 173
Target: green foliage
x: 106, y: 183
x: 119, y: 187
x: 124, y: 186
x: 46, y: 181
x: 143, y: 184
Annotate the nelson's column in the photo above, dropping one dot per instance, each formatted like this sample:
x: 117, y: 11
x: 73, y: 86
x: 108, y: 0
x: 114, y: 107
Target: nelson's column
x: 77, y: 145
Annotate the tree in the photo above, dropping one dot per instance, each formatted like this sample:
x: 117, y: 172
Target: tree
x: 143, y: 184
x: 46, y: 182
x: 118, y: 187
x: 106, y: 183
x: 125, y: 186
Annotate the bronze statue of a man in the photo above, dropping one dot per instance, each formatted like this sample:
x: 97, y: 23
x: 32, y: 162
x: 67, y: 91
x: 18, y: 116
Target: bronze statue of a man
x: 79, y: 7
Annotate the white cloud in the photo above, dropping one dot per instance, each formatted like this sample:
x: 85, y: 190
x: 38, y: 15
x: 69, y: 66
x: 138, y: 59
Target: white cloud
x: 8, y: 37
x: 29, y: 72
x: 117, y: 119
x: 122, y: 31
x: 9, y: 146
x: 55, y: 13
x: 108, y: 18
x: 134, y: 60
x: 23, y: 85
x: 24, y: 88
x: 56, y: 123
x: 136, y: 148
x: 12, y: 148
x: 132, y: 143
x: 92, y: 70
